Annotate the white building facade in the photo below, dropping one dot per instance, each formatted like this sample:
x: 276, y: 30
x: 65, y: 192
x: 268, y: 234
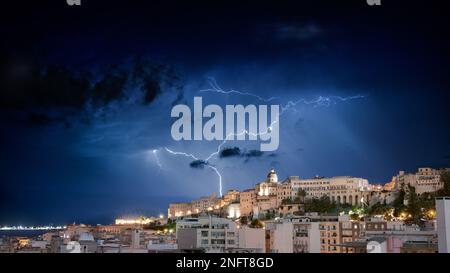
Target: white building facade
x: 342, y: 189
x: 443, y: 223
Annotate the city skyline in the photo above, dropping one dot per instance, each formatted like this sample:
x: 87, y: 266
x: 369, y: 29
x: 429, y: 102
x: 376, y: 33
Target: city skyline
x: 87, y: 93
x: 319, y: 215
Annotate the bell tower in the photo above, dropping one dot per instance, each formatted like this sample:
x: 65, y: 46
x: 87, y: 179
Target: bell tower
x: 272, y: 176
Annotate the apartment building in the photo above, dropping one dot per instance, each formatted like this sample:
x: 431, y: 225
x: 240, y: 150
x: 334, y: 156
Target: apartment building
x: 306, y: 235
x: 303, y: 234
x: 218, y: 235
x: 279, y: 236
x: 349, y: 232
x: 210, y: 233
x: 329, y: 237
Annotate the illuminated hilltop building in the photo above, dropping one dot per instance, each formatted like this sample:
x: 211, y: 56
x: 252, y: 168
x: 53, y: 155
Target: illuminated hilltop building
x: 340, y: 189
x: 179, y: 209
x: 204, y: 204
x: 269, y: 195
x: 137, y: 221
x: 424, y: 180
x: 268, y: 187
x: 266, y: 198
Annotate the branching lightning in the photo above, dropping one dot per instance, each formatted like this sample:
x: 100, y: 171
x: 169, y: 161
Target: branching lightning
x: 206, y: 164
x: 181, y: 153
x: 319, y: 101
x: 215, y: 88
x: 290, y: 105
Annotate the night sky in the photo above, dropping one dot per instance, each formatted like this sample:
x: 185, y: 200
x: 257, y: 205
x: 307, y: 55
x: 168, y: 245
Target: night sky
x: 86, y: 94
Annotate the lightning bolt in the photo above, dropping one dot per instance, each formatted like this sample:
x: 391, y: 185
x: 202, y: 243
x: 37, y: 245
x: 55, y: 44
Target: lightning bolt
x: 325, y: 101
x: 206, y: 164
x: 220, y: 178
x: 290, y: 105
x: 207, y: 160
x: 215, y: 88
x: 155, y: 154
x: 321, y: 101
x: 181, y: 153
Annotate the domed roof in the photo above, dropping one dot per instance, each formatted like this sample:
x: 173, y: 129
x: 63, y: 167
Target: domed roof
x: 272, y: 176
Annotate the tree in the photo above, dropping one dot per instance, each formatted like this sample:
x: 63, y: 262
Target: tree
x: 427, y: 205
x: 244, y: 220
x: 354, y: 216
x: 445, y: 178
x: 286, y: 201
x: 379, y: 209
x: 413, y: 208
x: 426, y: 200
x: 256, y: 224
x: 269, y: 215
x: 320, y: 205
x: 172, y: 225
x: 300, y: 198
x: 398, y: 203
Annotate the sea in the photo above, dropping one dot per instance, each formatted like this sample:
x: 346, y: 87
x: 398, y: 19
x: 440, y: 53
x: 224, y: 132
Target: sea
x: 23, y: 233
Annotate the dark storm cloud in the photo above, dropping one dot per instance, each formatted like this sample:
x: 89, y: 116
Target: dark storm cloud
x: 230, y: 152
x: 198, y: 164
x: 237, y: 152
x: 108, y: 89
x: 46, y: 93
x: 154, y: 78
x: 253, y: 153
x: 250, y: 154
